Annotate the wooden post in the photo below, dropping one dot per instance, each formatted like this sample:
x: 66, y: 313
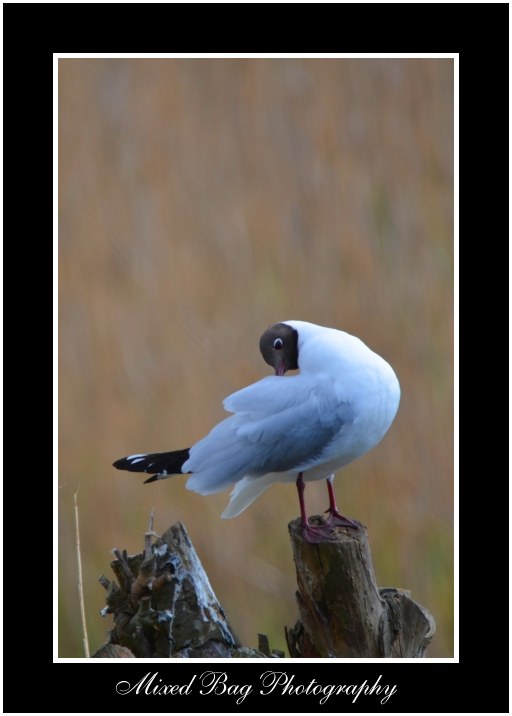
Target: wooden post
x: 342, y: 611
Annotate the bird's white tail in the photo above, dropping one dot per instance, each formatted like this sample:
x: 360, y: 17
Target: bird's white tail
x: 246, y: 491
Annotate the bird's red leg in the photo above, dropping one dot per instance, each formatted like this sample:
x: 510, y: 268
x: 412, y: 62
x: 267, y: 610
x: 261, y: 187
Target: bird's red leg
x: 335, y: 517
x: 311, y: 533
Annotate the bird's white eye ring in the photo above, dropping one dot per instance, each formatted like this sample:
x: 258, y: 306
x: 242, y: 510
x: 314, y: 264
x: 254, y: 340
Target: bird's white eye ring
x: 278, y: 344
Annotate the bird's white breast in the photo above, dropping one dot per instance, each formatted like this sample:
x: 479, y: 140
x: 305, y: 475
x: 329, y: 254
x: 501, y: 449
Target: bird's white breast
x: 360, y: 378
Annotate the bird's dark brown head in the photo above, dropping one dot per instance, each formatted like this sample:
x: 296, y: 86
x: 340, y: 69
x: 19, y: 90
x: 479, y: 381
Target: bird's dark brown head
x: 278, y: 346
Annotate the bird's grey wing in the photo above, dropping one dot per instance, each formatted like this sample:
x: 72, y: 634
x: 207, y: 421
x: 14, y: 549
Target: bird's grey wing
x: 269, y: 395
x: 277, y: 427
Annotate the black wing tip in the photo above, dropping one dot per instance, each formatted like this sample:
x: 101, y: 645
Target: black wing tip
x: 124, y: 463
x: 133, y: 463
x: 162, y: 464
x: 152, y: 479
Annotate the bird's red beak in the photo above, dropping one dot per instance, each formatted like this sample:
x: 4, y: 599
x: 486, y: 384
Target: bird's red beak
x: 281, y: 369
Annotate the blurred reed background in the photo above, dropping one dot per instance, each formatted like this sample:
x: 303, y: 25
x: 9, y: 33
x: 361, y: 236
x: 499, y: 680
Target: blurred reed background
x: 201, y: 200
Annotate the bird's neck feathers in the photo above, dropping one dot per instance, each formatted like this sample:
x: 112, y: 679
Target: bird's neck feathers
x: 322, y: 349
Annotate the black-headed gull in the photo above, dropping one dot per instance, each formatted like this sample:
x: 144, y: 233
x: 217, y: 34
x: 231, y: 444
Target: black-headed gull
x: 296, y: 428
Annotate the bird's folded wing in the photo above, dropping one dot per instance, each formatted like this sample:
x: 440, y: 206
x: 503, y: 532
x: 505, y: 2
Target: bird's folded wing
x: 270, y: 395
x: 277, y: 427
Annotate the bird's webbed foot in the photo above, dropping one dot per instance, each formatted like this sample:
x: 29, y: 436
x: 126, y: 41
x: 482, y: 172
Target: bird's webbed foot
x: 336, y: 519
x: 316, y: 534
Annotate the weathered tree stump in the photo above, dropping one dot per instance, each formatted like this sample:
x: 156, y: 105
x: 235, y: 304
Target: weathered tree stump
x: 342, y: 611
x: 163, y: 604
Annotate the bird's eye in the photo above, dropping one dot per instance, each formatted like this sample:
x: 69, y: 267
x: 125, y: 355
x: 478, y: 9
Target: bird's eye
x: 278, y: 344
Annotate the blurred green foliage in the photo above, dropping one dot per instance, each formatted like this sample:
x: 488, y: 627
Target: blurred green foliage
x: 199, y: 201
